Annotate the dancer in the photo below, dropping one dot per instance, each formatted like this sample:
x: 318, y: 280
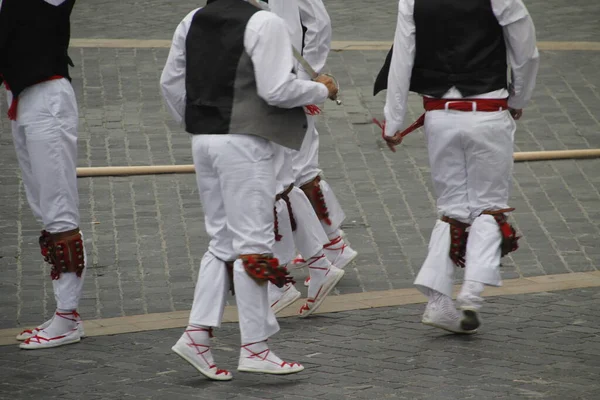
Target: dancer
x: 454, y: 54
x: 34, y: 40
x: 228, y: 79
x: 315, y: 49
x: 301, y: 224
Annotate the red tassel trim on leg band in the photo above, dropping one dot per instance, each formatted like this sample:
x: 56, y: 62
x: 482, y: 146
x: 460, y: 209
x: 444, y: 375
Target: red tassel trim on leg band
x: 459, y: 235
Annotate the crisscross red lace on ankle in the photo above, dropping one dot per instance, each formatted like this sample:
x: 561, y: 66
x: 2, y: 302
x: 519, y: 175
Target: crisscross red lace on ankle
x: 67, y: 314
x: 313, y: 260
x: 202, y: 349
x: 262, y: 355
x: 329, y: 246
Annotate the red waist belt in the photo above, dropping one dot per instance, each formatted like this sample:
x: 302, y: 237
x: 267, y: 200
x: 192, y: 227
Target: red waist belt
x: 431, y: 104
x: 12, y: 110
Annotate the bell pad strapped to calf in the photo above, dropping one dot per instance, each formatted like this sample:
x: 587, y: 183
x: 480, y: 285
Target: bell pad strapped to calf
x: 266, y: 268
x: 313, y: 191
x: 63, y: 251
x: 459, y: 235
x: 510, y: 240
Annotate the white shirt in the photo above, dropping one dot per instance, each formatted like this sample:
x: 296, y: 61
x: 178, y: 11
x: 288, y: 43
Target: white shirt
x: 317, y: 41
x: 523, y: 56
x: 288, y: 10
x: 268, y: 44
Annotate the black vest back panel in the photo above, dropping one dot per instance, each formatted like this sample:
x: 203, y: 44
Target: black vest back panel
x: 222, y: 95
x: 214, y: 47
x: 34, y: 42
x: 458, y: 43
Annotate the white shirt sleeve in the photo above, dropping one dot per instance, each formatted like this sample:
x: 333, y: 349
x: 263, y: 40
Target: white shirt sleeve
x: 268, y: 44
x: 523, y: 55
x: 317, y: 40
x: 172, y: 80
x: 403, y: 58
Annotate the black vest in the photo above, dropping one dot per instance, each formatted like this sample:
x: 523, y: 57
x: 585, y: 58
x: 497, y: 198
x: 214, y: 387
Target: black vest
x: 34, y: 42
x: 458, y: 43
x: 220, y: 82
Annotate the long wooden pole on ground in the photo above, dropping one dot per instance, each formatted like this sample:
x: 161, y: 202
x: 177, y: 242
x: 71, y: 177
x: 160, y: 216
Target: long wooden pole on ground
x: 189, y: 169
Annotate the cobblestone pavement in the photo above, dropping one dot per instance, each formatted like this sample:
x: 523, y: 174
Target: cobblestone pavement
x: 575, y: 20
x: 542, y: 346
x: 145, y: 235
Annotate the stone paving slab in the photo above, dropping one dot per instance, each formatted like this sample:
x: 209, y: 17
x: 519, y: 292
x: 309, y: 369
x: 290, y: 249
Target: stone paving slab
x: 543, y: 346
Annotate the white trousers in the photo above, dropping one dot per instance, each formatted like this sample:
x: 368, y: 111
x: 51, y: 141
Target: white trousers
x: 306, y: 168
x: 284, y: 248
x: 471, y: 160
x: 309, y: 236
x: 283, y: 163
x: 306, y: 161
x: 336, y: 213
x: 45, y: 139
x: 236, y: 182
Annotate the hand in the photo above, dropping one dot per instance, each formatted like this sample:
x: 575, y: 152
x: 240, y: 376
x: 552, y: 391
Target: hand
x: 516, y: 113
x: 393, y: 141
x: 330, y: 84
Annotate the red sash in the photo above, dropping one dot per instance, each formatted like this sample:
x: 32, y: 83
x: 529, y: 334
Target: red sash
x: 431, y: 104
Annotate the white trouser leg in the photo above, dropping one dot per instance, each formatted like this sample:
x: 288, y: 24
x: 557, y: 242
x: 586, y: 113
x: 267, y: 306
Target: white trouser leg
x: 213, y: 280
x: 283, y: 166
x: 29, y: 182
x: 212, y: 199
x: 483, y: 252
x: 444, y: 131
x: 489, y: 156
x: 45, y: 135
x: 309, y: 235
x: 437, y: 272
x: 449, y: 176
x: 283, y: 249
x: 48, y: 118
x: 210, y: 293
x: 257, y: 320
x: 306, y: 160
x: 336, y: 214
x: 489, y: 159
x: 247, y: 181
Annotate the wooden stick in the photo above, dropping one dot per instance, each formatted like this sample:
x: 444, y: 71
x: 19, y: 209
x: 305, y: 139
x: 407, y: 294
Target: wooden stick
x: 556, y: 155
x: 189, y: 169
x: 137, y: 170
